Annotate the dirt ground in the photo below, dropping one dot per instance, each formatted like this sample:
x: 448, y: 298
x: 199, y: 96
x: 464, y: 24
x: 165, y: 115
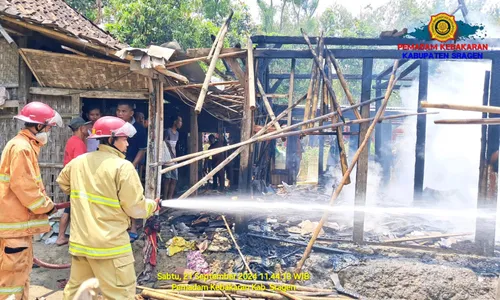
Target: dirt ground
x: 377, y: 274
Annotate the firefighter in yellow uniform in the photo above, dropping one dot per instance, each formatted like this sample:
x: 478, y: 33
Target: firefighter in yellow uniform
x: 105, y: 192
x: 25, y: 204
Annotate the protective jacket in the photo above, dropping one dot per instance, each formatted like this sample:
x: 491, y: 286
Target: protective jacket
x: 105, y: 191
x: 22, y: 193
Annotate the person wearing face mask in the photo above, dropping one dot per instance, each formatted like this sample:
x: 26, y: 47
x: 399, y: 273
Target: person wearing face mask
x: 105, y: 192
x: 23, y: 197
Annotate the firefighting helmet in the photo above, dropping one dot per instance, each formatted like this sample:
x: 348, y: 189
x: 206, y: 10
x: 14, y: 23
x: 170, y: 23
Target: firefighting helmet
x: 112, y: 127
x: 40, y: 113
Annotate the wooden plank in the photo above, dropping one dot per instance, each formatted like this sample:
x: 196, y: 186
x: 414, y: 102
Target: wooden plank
x: 160, y: 106
x: 193, y: 146
x: 102, y: 94
x: 236, y: 68
x: 10, y: 104
x: 362, y: 165
x: 483, y: 159
x: 76, y: 105
x: 251, y: 75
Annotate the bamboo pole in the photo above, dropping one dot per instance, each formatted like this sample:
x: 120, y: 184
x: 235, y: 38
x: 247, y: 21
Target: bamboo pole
x: 485, y: 121
x: 236, y: 244
x: 343, y: 82
x: 322, y: 72
x: 196, y: 85
x: 251, y: 74
x: 317, y: 82
x: 310, y: 89
x: 267, y: 105
x: 478, y: 108
x: 160, y: 296
x: 344, y: 164
x: 213, y: 63
x: 206, y: 153
x: 180, y: 63
x: 379, y: 114
x: 165, y: 292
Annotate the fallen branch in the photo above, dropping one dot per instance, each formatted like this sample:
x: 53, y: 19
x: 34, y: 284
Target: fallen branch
x: 379, y: 115
x: 478, y: 108
x: 213, y: 63
x: 429, y: 237
x: 486, y: 121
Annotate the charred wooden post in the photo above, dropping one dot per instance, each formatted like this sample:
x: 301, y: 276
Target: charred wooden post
x: 423, y: 80
x: 241, y: 223
x: 317, y: 83
x: 151, y: 174
x: 485, y: 227
x: 292, y: 155
x: 483, y: 159
x: 362, y: 165
x: 193, y: 146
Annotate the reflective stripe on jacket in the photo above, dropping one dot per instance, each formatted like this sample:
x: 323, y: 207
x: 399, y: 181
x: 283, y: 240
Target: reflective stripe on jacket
x: 22, y: 192
x: 105, y: 191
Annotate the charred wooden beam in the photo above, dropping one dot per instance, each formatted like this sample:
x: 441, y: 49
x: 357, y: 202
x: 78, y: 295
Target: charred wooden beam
x: 418, y: 182
x: 297, y: 40
x: 362, y: 165
x: 359, y: 53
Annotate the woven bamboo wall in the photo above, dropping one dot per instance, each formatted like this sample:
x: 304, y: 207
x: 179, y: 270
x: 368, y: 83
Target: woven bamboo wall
x: 9, y: 64
x: 78, y: 72
x: 52, y: 154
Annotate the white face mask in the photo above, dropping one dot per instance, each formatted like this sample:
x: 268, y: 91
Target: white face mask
x: 42, y: 137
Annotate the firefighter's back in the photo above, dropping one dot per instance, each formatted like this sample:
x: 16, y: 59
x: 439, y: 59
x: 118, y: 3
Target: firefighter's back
x: 98, y: 223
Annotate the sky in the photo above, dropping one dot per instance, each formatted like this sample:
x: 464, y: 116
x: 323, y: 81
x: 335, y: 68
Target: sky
x: 353, y: 6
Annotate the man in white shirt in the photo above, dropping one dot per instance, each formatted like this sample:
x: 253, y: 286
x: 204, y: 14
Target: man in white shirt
x: 93, y: 114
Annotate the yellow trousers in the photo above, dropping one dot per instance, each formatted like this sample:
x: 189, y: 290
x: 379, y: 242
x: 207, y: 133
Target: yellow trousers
x: 117, y: 279
x: 16, y: 262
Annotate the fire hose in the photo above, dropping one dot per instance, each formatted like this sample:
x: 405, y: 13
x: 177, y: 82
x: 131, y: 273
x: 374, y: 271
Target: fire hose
x: 154, y: 224
x: 43, y: 264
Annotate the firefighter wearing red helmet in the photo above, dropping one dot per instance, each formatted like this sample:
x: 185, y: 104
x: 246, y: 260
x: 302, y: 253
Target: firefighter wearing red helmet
x: 105, y: 192
x: 22, y: 191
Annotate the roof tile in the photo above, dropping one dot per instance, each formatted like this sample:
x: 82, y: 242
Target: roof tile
x: 56, y: 13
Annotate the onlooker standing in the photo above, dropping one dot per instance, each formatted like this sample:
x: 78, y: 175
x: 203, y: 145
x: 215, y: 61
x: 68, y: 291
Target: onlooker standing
x: 75, y: 146
x: 137, y: 146
x: 93, y: 115
x: 171, y: 139
x: 218, y: 179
